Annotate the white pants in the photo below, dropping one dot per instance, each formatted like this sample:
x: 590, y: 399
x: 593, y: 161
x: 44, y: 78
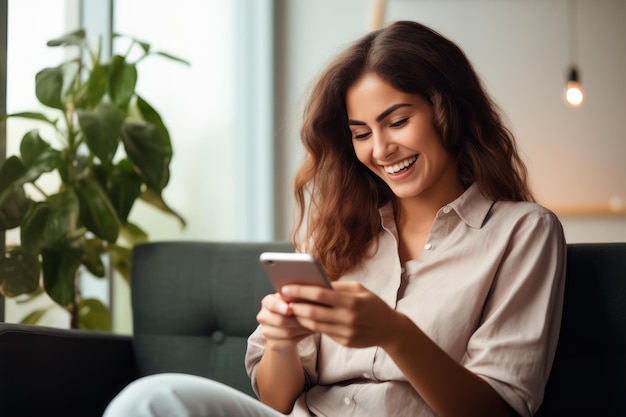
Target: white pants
x: 181, y: 395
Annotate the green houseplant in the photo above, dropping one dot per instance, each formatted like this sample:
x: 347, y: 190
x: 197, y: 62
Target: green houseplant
x: 110, y: 149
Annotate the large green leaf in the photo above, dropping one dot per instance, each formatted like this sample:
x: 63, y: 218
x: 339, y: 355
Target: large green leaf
x: 93, y: 315
x: 91, y: 93
x: 96, y: 211
x: 122, y: 81
x: 101, y: 128
x: 19, y: 272
x: 62, y: 217
x: 59, y: 274
x: 149, y: 152
x: 14, y: 208
x: 46, y: 162
x: 150, y: 115
x: 33, y: 226
x: 125, y: 187
x: 38, y: 157
x: 32, y: 146
x: 11, y: 173
x: 13, y: 201
x: 76, y: 37
x: 92, y: 257
x: 49, y: 87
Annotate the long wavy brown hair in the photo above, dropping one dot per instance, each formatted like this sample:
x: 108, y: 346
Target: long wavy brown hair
x: 338, y: 197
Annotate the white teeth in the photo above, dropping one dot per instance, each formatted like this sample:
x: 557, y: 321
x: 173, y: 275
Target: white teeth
x: 394, y: 169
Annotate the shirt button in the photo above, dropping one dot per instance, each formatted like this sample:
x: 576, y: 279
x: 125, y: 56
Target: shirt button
x: 447, y: 209
x: 428, y: 246
x: 347, y: 401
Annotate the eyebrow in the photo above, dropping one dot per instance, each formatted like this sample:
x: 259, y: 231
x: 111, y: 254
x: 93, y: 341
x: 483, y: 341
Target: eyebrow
x: 382, y: 115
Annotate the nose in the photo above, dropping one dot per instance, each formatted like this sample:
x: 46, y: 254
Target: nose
x: 383, y: 147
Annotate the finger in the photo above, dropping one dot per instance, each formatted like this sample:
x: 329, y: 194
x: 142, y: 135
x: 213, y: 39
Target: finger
x: 311, y: 294
x: 322, y: 313
x: 268, y: 318
x: 275, y: 304
x: 345, y: 294
x: 337, y: 331
x: 279, y: 327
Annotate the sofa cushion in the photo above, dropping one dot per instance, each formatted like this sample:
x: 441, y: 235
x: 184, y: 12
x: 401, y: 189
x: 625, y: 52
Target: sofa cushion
x: 194, y: 306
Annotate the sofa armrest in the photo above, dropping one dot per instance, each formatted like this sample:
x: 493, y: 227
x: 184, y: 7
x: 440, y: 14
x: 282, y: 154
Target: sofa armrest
x: 47, y: 371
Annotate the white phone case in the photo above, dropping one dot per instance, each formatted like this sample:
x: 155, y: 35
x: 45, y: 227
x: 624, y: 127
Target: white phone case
x: 293, y: 268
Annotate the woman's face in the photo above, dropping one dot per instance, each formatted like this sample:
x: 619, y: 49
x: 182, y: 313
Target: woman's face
x: 394, y: 136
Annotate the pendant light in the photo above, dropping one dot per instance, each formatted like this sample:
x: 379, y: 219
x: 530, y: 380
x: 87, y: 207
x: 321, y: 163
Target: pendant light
x: 574, y: 93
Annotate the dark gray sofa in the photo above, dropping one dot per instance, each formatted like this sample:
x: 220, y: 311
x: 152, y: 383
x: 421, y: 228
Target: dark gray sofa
x: 194, y: 304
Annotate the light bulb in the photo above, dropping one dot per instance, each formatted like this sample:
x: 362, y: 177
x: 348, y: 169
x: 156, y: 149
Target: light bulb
x: 574, y: 94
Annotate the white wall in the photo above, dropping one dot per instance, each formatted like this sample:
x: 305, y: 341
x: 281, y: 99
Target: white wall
x: 196, y: 105
x: 520, y: 49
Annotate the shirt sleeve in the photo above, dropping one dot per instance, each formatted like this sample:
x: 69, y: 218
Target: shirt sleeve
x: 514, y: 345
x: 307, y: 349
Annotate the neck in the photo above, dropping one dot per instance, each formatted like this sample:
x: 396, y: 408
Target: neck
x: 418, y: 213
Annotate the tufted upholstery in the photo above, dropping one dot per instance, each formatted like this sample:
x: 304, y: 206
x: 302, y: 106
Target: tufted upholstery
x: 194, y: 304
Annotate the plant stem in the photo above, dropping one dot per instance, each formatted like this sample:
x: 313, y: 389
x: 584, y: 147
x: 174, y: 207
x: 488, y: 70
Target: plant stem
x: 74, y: 316
x: 43, y: 193
x: 74, y: 307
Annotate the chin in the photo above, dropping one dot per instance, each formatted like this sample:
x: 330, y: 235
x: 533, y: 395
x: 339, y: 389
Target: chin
x: 405, y: 193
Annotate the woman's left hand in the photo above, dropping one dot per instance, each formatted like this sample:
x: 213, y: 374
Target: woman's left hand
x: 349, y: 314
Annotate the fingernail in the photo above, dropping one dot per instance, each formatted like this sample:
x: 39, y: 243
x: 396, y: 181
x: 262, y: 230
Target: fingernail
x: 283, y: 308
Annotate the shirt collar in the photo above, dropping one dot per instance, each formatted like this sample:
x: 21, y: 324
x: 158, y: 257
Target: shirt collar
x: 471, y: 206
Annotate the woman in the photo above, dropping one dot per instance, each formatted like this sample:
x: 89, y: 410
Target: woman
x: 448, y: 278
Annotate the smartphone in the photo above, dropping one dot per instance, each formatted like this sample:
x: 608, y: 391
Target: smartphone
x: 293, y: 268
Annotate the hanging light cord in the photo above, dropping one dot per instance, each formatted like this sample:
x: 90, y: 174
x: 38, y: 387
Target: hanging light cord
x: 574, y: 94
x: 573, y: 18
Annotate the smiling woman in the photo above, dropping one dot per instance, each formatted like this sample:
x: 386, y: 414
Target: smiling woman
x: 414, y: 200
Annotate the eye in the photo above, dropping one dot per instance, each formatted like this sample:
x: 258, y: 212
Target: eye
x: 399, y: 123
x: 360, y: 136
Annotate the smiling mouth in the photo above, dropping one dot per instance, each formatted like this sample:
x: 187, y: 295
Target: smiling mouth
x: 400, y: 166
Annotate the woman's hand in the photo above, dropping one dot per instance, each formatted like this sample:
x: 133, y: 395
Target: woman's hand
x: 278, y: 325
x: 350, y: 314
x: 280, y: 377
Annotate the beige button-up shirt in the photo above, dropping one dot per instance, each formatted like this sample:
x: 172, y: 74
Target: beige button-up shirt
x: 488, y: 289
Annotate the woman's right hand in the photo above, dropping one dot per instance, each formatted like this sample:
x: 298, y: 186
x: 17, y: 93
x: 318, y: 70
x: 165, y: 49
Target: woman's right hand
x: 278, y: 324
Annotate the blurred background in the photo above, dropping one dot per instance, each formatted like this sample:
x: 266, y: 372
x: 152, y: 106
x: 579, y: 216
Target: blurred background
x: 234, y: 113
